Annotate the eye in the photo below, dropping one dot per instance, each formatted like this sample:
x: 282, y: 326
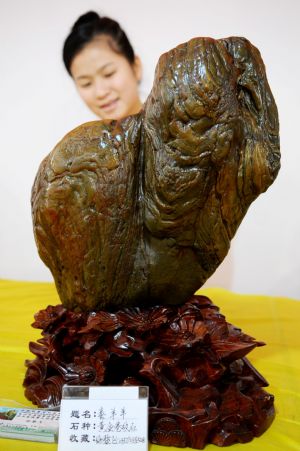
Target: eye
x: 86, y: 85
x: 109, y: 74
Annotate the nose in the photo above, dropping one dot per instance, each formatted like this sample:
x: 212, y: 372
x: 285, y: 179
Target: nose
x: 101, y: 88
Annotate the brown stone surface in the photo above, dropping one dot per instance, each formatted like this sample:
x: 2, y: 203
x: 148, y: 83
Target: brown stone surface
x: 142, y: 211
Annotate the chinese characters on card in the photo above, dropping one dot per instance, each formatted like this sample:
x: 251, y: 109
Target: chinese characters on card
x: 113, y: 423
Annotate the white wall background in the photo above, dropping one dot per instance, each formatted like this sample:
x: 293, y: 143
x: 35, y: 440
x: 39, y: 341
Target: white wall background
x: 39, y: 105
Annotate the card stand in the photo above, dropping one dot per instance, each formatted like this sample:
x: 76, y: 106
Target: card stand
x: 202, y: 388
x: 93, y: 418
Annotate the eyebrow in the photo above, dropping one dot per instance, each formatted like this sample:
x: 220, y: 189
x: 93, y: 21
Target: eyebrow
x: 80, y: 77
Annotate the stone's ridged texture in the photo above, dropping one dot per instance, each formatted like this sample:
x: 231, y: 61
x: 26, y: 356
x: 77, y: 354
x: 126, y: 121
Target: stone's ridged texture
x: 142, y: 211
x: 85, y: 213
x: 202, y: 387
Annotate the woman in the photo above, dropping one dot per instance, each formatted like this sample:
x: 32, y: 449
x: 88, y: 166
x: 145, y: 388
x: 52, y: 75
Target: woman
x: 100, y: 59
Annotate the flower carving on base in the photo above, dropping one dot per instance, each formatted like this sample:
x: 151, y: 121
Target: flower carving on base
x: 202, y: 387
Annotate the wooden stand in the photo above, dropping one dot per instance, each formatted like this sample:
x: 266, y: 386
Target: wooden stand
x: 202, y: 388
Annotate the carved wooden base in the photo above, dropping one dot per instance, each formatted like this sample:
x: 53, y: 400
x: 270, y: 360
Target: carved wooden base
x: 202, y: 388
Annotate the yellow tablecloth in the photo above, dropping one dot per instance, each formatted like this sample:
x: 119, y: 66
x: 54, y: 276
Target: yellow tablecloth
x: 273, y: 320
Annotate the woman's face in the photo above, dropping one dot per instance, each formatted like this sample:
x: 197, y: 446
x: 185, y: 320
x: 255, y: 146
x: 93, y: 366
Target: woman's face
x: 106, y: 81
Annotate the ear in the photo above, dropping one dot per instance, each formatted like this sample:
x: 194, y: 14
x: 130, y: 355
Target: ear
x: 137, y: 68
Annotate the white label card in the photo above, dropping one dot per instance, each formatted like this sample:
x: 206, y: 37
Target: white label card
x: 103, y: 418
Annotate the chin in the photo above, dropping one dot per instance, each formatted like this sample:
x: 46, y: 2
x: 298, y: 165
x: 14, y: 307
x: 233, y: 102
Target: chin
x: 111, y: 116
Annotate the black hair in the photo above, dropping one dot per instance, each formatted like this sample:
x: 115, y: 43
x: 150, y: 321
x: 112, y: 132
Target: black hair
x: 86, y: 28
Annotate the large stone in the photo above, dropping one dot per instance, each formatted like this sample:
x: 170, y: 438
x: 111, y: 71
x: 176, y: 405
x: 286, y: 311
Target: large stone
x: 142, y: 211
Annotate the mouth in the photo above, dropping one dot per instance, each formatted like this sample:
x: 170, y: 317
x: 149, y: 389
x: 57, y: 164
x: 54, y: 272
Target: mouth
x: 109, y: 106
